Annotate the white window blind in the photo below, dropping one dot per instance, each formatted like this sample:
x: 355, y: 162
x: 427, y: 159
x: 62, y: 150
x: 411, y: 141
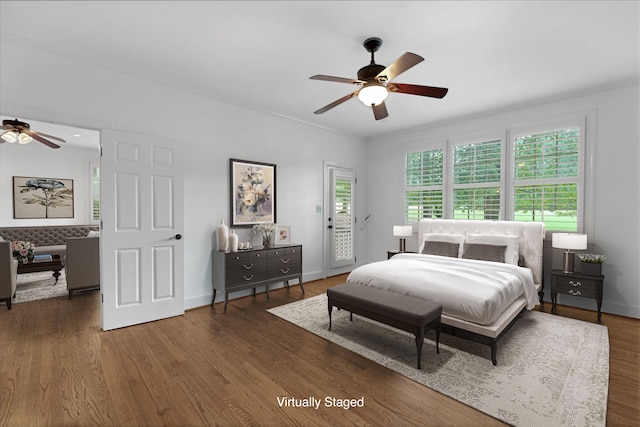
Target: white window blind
x: 95, y: 192
x: 546, y: 181
x: 423, y: 185
x: 344, y: 220
x: 476, y: 180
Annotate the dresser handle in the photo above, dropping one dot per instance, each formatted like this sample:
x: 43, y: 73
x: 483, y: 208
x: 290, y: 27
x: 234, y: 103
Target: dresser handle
x: 284, y: 270
x: 247, y: 278
x: 247, y: 267
x: 572, y: 292
x: 572, y: 283
x: 284, y: 260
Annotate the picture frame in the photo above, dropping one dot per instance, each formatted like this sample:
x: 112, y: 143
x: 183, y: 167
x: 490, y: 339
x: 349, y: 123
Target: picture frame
x: 283, y: 234
x: 46, y: 198
x: 252, y: 192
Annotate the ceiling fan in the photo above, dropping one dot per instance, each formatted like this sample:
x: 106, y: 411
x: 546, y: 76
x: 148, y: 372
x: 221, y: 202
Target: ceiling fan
x: 374, y: 81
x: 17, y: 131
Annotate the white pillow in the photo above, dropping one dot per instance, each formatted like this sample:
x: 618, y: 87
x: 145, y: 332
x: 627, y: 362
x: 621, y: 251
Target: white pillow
x: 511, y: 254
x: 93, y: 233
x: 449, y: 238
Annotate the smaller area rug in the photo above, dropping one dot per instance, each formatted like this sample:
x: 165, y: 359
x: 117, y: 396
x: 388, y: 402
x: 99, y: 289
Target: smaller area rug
x: 552, y: 370
x: 37, y: 286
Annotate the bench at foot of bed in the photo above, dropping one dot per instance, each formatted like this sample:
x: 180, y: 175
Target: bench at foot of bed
x: 405, y: 312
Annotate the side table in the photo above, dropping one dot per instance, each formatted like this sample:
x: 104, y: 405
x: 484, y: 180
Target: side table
x: 392, y: 253
x: 576, y: 285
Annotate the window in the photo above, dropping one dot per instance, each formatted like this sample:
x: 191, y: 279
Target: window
x: 95, y: 192
x: 423, y: 186
x: 535, y: 175
x: 476, y: 180
x: 546, y: 169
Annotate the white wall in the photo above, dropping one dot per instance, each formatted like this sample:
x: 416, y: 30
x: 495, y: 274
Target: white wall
x: 40, y: 85
x: 38, y: 160
x: 613, y: 204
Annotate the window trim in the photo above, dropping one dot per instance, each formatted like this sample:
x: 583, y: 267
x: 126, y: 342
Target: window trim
x: 585, y: 120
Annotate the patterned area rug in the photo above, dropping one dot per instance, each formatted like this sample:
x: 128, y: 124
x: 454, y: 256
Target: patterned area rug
x: 37, y: 286
x: 552, y: 371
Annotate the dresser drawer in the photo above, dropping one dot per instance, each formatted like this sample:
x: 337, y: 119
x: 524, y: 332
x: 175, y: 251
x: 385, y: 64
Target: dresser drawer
x: 576, y: 291
x: 235, y: 256
x: 246, y: 272
x: 284, y: 271
x: 283, y: 261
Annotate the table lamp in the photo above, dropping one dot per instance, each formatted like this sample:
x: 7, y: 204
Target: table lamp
x: 402, y: 231
x: 568, y: 241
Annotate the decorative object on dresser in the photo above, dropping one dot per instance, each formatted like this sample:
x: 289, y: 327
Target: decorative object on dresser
x: 253, y: 192
x: 576, y: 285
x: 283, y: 234
x: 568, y: 241
x: 42, y: 197
x: 248, y: 269
x: 222, y: 236
x: 265, y: 231
x: 233, y: 242
x: 402, y: 231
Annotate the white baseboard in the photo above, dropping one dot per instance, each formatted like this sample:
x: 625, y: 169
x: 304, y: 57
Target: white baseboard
x: 202, y: 300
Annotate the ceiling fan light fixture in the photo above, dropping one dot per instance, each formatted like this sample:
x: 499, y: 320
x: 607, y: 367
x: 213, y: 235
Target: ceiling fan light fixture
x: 9, y: 136
x: 24, y: 138
x: 372, y: 94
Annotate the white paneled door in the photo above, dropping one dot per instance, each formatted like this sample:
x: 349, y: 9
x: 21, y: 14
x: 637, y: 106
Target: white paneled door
x: 142, y: 259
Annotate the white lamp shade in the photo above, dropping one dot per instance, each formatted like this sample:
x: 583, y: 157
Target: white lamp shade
x: 372, y: 95
x: 569, y: 241
x: 402, y: 230
x: 9, y: 136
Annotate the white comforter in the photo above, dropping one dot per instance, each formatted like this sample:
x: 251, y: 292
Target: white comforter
x: 475, y: 291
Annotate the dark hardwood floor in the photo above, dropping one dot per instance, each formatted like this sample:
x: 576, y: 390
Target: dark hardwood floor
x: 206, y: 368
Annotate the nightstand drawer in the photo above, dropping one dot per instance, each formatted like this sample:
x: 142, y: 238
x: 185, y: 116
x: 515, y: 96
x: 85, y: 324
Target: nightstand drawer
x: 575, y: 283
x: 576, y: 291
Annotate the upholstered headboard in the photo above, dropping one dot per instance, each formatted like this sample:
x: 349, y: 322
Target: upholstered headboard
x: 531, y: 236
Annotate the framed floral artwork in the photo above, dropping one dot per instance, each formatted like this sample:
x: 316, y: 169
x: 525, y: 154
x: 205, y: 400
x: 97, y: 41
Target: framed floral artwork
x: 253, y: 192
x: 283, y: 234
x: 42, y: 197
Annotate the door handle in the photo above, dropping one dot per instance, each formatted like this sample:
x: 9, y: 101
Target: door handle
x: 330, y: 226
x: 178, y: 236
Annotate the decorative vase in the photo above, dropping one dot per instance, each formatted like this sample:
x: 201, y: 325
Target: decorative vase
x: 222, y: 236
x: 591, y: 268
x: 233, y: 241
x: 266, y: 240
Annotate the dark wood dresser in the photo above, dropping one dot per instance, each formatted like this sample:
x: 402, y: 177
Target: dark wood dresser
x: 248, y: 269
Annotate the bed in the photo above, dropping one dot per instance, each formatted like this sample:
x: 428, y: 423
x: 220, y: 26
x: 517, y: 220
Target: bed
x: 483, y: 273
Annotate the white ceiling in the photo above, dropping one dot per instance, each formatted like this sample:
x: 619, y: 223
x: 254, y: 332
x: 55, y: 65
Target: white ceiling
x: 491, y: 55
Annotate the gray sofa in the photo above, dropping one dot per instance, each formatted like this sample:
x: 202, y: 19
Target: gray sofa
x: 48, y: 239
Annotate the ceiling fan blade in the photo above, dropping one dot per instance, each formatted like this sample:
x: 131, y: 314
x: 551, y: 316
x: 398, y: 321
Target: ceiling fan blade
x: 432, y: 91
x: 380, y: 111
x: 335, y: 103
x: 41, y: 139
x: 335, y: 79
x: 50, y: 136
x: 400, y: 65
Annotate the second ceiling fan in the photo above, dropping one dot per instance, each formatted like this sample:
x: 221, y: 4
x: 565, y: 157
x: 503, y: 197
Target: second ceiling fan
x: 374, y: 81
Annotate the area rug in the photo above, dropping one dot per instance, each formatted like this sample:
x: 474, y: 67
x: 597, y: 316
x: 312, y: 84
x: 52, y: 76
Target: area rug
x: 39, y: 286
x: 551, y: 371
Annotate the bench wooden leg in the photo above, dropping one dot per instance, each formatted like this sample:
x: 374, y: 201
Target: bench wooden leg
x: 330, y: 310
x: 419, y: 343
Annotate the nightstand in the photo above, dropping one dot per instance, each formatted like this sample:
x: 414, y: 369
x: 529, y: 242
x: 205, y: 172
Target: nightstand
x: 392, y: 253
x: 576, y: 285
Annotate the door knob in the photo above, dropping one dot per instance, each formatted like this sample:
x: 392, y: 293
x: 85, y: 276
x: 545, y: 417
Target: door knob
x: 178, y: 236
